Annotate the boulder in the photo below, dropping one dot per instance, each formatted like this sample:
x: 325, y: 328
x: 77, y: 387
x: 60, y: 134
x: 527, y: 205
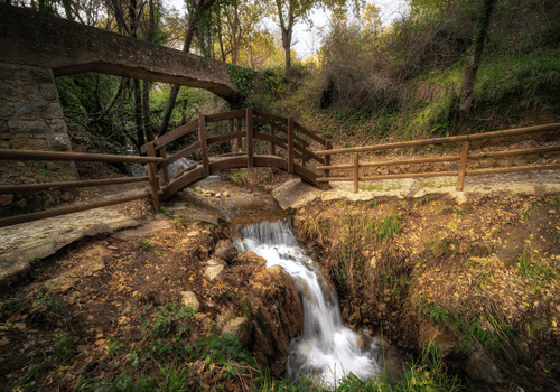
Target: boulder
x: 277, y: 317
x: 443, y: 338
x: 214, y: 269
x: 481, y: 369
x: 225, y: 250
x: 189, y: 299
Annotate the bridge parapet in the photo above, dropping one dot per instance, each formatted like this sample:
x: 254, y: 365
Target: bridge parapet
x: 29, y: 38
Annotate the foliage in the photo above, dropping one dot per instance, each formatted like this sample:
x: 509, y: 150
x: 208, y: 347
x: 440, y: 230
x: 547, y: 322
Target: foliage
x: 64, y: 347
x: 145, y: 244
x: 244, y: 86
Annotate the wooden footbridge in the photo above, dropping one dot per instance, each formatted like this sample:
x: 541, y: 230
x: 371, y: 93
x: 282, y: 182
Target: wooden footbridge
x: 289, y: 149
x: 280, y: 132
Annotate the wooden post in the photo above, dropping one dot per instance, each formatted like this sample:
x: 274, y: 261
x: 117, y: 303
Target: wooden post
x: 238, y: 128
x: 249, y: 125
x: 203, y: 146
x: 356, y: 165
x: 463, y: 166
x: 290, y: 144
x: 163, y: 154
x: 328, y: 146
x: 152, y: 173
x: 272, y: 145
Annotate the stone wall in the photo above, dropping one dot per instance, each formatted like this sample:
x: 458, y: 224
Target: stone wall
x: 31, y: 119
x: 30, y: 114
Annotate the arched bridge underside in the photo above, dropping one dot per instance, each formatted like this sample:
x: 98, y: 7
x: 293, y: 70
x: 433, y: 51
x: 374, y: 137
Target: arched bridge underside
x: 222, y: 163
x: 29, y: 38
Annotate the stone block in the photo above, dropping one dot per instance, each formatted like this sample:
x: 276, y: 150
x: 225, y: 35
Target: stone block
x: 6, y: 110
x: 7, y: 91
x: 30, y: 144
x: 39, y: 136
x: 485, y: 163
x: 58, y: 142
x: 50, y: 110
x: 49, y: 92
x: 27, y: 126
x: 5, y: 136
x: 26, y: 110
x: 4, y: 144
x: 35, y: 75
x: 30, y: 93
x: 4, y: 126
x: 7, y: 72
x: 58, y: 126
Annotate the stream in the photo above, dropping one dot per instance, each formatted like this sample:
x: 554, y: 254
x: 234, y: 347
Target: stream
x: 326, y: 351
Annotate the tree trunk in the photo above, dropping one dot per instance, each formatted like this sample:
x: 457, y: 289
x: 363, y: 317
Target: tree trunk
x: 467, y: 89
x: 191, y: 28
x: 138, y: 110
x: 146, y: 110
x: 220, y: 37
x: 234, y: 35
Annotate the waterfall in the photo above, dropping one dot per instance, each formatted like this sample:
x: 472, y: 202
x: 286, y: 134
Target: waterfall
x: 327, y: 350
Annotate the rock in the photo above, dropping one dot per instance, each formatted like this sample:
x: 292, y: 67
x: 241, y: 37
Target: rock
x: 189, y: 299
x: 112, y: 247
x: 20, y: 164
x: 481, y: 369
x: 251, y: 257
x: 214, y: 269
x: 277, y: 317
x: 295, y: 194
x: 441, y: 337
x: 22, y: 202
x: 68, y: 196
x: 390, y: 359
x: 239, y: 327
x: 225, y: 250
x: 6, y: 200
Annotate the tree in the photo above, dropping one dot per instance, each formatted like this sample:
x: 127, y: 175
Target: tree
x: 289, y: 12
x: 198, y: 9
x: 467, y: 89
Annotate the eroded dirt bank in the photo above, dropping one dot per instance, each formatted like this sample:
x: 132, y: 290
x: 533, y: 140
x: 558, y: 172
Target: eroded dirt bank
x: 481, y: 279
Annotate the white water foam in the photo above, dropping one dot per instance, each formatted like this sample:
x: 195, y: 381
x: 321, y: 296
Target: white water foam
x: 138, y: 170
x: 327, y: 350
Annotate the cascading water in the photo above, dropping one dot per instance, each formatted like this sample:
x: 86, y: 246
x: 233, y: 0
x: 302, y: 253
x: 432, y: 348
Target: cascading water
x: 138, y: 170
x: 327, y: 350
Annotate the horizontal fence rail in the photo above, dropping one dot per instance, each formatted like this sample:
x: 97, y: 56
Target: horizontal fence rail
x: 36, y: 155
x: 462, y: 158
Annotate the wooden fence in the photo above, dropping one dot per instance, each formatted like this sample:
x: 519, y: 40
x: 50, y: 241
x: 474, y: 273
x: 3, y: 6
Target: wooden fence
x: 282, y: 133
x: 462, y: 158
x: 32, y: 155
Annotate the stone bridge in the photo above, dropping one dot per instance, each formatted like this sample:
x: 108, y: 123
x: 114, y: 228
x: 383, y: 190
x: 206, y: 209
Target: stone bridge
x: 29, y: 38
x: 35, y: 48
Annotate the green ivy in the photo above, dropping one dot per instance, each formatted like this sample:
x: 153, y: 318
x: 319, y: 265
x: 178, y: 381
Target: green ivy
x: 243, y: 82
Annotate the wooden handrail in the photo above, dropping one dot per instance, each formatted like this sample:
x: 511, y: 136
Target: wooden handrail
x: 170, y: 136
x: 38, y: 155
x: 10, y: 189
x: 454, y: 139
x: 14, y: 220
x: 462, y: 158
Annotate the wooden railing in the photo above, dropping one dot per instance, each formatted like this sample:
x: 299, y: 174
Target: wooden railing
x: 281, y: 134
x: 33, y: 155
x: 463, y: 157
